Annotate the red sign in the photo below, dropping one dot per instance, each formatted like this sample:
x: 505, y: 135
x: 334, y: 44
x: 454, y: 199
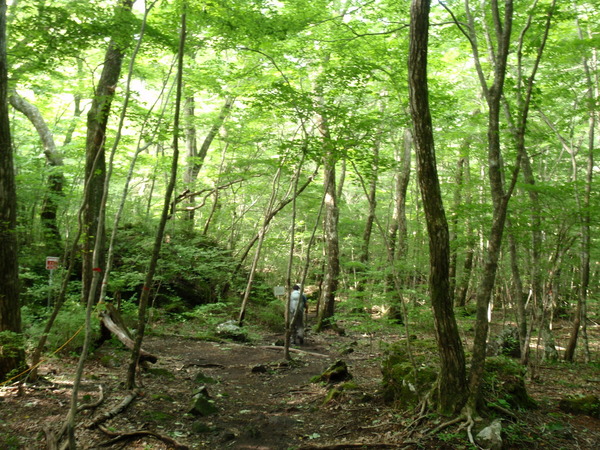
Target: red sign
x: 52, y: 262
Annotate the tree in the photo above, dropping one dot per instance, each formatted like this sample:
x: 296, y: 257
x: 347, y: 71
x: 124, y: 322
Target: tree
x: 95, y: 165
x: 451, y: 389
x: 12, y: 356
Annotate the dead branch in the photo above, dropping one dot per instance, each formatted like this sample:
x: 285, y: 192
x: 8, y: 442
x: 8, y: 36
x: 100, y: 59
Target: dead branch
x: 117, y: 437
x: 113, y: 412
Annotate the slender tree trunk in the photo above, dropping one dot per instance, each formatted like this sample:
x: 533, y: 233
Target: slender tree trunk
x: 371, y: 195
x: 500, y: 197
x: 288, y: 279
x: 10, y: 308
x: 462, y: 286
x: 118, y: 214
x: 580, y: 319
x: 330, y: 225
x: 525, y: 92
x: 261, y: 236
x: 397, y: 231
x: 452, y: 386
x: 143, y: 306
x: 458, y: 188
x: 196, y: 157
x: 95, y: 163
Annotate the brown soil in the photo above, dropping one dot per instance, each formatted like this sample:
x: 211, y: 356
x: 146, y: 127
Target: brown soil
x: 265, y: 402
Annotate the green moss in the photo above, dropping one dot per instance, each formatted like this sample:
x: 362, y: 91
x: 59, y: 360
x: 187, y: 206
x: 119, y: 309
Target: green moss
x: 204, y: 379
x: 159, y: 372
x: 335, y: 373
x: 332, y: 395
x: 504, y: 384
x: 160, y: 397
x: 404, y: 385
x: 157, y: 416
x: 588, y: 405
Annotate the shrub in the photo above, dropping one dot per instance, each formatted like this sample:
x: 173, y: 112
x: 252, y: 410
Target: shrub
x: 68, y: 330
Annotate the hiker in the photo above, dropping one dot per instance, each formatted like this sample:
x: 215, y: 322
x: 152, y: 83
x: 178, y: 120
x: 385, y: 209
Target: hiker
x: 297, y: 306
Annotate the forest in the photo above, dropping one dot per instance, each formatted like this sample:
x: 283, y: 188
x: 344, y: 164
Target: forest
x: 425, y: 172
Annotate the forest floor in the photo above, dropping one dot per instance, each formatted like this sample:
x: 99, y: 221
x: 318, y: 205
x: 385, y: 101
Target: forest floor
x: 264, y: 402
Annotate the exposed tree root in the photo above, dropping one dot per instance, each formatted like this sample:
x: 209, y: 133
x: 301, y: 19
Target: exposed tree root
x: 465, y: 416
x: 113, y: 412
x: 95, y: 404
x: 117, y: 437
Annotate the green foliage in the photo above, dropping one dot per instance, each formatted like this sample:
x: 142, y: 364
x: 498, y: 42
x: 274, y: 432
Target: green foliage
x: 11, y: 344
x: 403, y: 384
x: 583, y: 404
x: 504, y: 381
x: 192, y: 271
x: 270, y: 316
x: 68, y: 331
x: 10, y: 441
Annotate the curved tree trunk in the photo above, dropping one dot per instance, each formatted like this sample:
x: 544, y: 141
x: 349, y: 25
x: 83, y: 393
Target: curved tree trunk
x: 452, y: 386
x: 48, y: 214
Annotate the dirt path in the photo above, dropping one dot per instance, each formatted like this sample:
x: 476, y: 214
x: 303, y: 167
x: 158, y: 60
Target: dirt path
x: 263, y: 401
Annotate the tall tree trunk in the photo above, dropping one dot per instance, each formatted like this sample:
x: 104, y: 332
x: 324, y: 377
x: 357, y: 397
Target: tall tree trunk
x: 462, y: 286
x: 458, y: 188
x: 518, y: 128
x: 500, y: 197
x: 397, y: 230
x: 584, y: 214
x: 158, y: 240
x: 371, y: 195
x: 330, y: 226
x: 95, y: 162
x: 518, y: 296
x: 10, y: 309
x: 451, y: 386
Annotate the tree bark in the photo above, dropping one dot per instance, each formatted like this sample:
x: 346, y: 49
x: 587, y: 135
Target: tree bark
x: 95, y: 161
x: 48, y: 214
x: 158, y: 240
x: 502, y: 28
x: 584, y: 216
x: 451, y: 386
x: 196, y: 157
x: 462, y: 286
x: 10, y: 308
x: 330, y: 226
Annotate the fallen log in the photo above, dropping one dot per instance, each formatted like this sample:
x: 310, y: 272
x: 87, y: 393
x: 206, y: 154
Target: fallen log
x: 113, y: 322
